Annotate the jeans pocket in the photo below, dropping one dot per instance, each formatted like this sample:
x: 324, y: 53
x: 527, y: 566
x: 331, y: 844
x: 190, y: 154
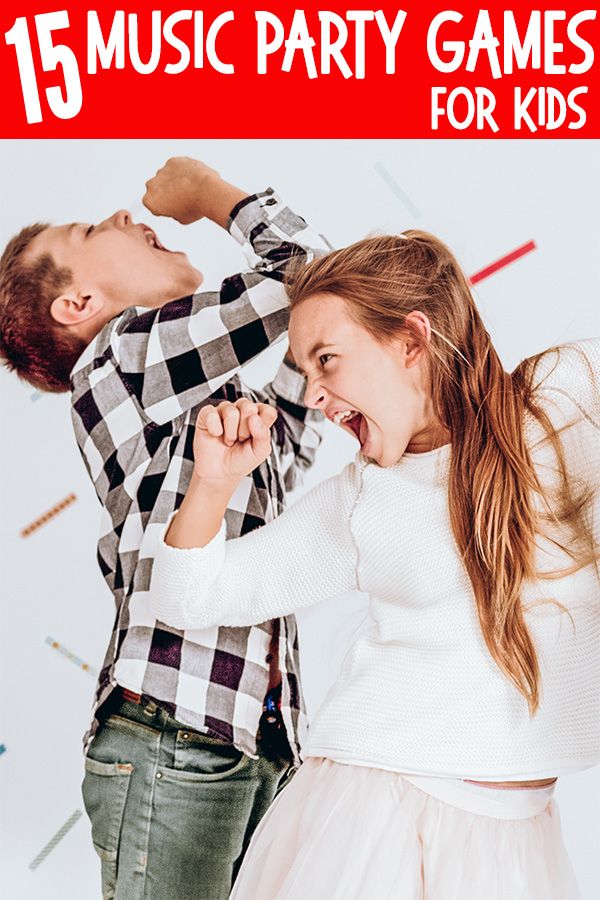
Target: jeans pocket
x: 104, y: 790
x: 199, y: 757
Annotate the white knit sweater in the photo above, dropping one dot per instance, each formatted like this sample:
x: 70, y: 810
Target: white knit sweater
x: 418, y: 691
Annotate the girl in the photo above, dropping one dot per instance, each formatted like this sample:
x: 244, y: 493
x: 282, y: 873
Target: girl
x: 470, y: 517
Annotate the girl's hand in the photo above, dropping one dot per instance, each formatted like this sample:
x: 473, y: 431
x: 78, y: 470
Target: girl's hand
x: 231, y: 440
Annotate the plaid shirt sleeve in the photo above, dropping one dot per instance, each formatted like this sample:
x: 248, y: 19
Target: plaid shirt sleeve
x: 298, y: 430
x: 175, y: 357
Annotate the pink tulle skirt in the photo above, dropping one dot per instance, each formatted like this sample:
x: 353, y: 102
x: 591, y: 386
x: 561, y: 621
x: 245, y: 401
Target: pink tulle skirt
x: 347, y: 832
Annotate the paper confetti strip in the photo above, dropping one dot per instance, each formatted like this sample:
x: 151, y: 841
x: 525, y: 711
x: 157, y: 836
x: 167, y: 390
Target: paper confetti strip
x: 53, y: 842
x: 36, y: 395
x: 397, y: 190
x: 71, y: 656
x: 503, y: 261
x: 47, y: 516
x: 2, y: 749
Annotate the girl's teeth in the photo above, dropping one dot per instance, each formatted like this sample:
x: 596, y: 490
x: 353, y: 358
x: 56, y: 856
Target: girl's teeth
x: 340, y: 417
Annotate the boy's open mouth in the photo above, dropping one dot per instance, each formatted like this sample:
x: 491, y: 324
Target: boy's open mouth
x: 152, y: 239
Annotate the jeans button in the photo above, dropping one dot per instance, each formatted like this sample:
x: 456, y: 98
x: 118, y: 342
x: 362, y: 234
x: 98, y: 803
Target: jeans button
x: 185, y: 736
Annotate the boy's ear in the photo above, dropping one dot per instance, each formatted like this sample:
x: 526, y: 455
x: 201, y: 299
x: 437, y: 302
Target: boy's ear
x: 75, y: 307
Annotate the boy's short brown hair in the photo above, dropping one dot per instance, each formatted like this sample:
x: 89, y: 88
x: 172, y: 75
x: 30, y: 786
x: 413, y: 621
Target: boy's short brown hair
x: 32, y: 343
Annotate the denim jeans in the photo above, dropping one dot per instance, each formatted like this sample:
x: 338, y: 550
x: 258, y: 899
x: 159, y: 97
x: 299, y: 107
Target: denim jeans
x: 172, y: 810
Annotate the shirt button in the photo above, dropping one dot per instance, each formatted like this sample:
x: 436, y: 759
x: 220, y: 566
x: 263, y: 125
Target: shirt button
x: 159, y: 774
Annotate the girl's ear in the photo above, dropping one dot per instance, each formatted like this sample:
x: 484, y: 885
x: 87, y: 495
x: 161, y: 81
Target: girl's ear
x: 414, y: 348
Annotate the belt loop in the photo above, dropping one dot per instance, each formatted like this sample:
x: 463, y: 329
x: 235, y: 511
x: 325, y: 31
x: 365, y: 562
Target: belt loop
x: 131, y: 696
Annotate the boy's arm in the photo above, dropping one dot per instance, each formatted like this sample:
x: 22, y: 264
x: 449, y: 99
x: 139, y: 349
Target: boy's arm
x: 188, y: 189
x: 175, y: 357
x: 298, y: 430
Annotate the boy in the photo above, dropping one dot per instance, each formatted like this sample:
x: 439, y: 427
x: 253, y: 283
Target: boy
x: 194, y: 731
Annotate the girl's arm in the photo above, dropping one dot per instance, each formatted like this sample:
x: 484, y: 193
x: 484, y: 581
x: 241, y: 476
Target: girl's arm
x: 306, y: 555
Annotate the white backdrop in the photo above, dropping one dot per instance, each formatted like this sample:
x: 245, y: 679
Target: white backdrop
x: 485, y: 198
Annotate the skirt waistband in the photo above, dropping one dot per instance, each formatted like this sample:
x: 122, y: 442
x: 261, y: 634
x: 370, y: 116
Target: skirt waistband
x: 497, y: 803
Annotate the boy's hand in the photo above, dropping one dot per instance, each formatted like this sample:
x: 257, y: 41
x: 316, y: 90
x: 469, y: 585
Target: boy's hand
x: 187, y: 190
x: 178, y: 188
x: 231, y: 440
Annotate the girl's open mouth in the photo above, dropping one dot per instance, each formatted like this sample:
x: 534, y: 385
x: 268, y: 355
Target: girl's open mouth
x: 355, y: 422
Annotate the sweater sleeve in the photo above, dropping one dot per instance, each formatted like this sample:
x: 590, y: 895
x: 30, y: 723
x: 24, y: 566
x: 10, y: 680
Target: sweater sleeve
x: 306, y: 555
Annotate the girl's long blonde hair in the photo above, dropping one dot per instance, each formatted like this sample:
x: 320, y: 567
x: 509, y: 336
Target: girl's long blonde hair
x: 493, y: 486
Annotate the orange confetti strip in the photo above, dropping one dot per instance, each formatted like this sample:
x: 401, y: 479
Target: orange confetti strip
x: 55, y: 645
x: 47, y: 516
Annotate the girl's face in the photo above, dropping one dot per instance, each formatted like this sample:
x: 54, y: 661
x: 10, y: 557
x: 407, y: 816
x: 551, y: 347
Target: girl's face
x: 375, y: 391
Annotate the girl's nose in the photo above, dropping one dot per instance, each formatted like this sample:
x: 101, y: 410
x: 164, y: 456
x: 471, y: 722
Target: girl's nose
x: 314, y: 396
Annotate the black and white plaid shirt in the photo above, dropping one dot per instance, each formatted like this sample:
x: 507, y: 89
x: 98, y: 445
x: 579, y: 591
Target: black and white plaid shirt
x: 137, y: 390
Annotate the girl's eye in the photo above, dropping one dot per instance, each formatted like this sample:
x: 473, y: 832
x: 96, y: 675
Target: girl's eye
x: 89, y: 230
x: 324, y: 358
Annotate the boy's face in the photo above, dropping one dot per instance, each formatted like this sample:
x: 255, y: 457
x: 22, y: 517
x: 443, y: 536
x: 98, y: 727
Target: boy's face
x: 118, y: 261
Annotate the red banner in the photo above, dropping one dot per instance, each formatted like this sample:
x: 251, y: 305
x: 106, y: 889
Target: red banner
x: 247, y: 70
